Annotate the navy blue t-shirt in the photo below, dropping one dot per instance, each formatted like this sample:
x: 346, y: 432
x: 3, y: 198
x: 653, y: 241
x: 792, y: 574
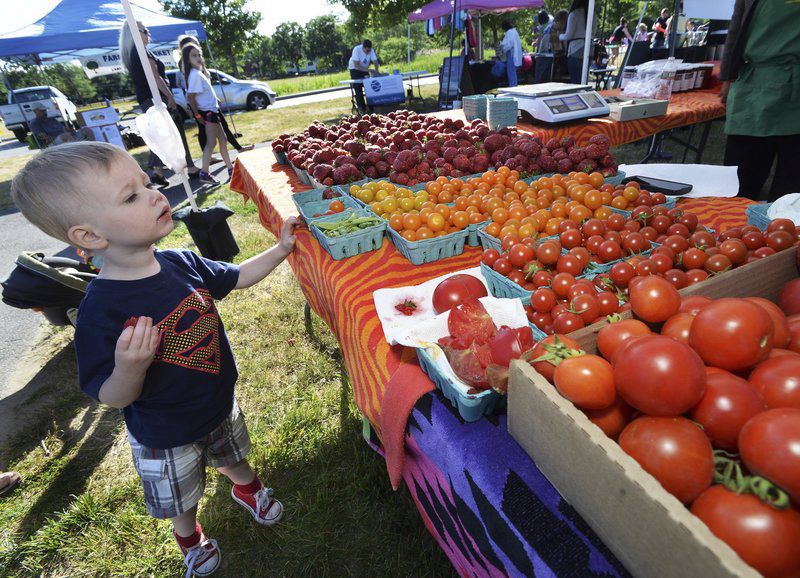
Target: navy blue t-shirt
x: 188, y: 389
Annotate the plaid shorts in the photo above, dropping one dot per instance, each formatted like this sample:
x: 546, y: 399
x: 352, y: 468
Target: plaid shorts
x: 174, y: 479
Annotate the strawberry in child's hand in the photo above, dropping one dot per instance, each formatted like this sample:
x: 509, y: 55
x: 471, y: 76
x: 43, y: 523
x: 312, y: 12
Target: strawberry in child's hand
x: 131, y: 322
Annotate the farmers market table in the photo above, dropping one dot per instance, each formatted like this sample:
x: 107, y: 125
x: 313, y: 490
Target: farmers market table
x: 479, y: 494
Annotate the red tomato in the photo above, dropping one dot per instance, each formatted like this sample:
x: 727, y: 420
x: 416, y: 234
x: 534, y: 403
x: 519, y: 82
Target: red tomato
x: 516, y: 276
x: 778, y: 381
x: 645, y: 267
x: 661, y: 262
x: 725, y: 407
x: 566, y: 225
x: 548, y: 253
x: 587, y: 307
x: 735, y: 250
x: 717, y: 263
x: 781, y: 225
x: 615, y: 222
x: 702, y: 239
x: 621, y: 274
x: 769, y: 446
x: 543, y: 299
x: 659, y: 376
x: 552, y: 345
x: 569, y: 264
x: 753, y: 240
x: 571, y: 238
x: 502, y: 266
x: 780, y: 325
x: 635, y: 243
x: 592, y: 227
x: 542, y: 278
x: 489, y: 256
x: 582, y: 254
x: 661, y: 223
x: 676, y: 243
x: 609, y: 251
x: 688, y: 220
x: 732, y: 334
x: 696, y: 276
x: 765, y: 538
x: 674, y: 451
x: 694, y: 303
x: 678, y: 326
x: 561, y: 284
x: 587, y: 381
x: 455, y: 289
x: 519, y: 254
x: 607, y: 302
x: 762, y: 252
x: 612, y: 419
x: 654, y: 299
x: 580, y: 289
x: 567, y: 322
x: 780, y: 240
x: 677, y: 278
x: 679, y: 230
x: 611, y: 337
x: 789, y: 297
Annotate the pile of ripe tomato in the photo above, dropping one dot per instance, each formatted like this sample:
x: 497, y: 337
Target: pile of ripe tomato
x: 714, y: 376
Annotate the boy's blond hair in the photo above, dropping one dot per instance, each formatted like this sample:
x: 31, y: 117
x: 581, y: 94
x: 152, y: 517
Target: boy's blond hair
x: 51, y: 188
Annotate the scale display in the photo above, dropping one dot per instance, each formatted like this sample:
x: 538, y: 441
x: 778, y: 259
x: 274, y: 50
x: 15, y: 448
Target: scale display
x: 557, y: 102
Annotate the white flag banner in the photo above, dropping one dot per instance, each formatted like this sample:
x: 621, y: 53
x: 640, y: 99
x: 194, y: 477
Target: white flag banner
x: 111, y: 63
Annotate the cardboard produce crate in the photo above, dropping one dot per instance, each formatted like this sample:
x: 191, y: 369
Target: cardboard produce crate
x: 648, y: 529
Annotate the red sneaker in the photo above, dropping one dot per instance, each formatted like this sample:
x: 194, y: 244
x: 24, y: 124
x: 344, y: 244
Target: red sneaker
x: 265, y: 509
x: 202, y: 559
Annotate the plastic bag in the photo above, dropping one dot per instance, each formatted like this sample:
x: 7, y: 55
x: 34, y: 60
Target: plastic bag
x: 653, y: 80
x: 161, y: 136
x: 786, y: 207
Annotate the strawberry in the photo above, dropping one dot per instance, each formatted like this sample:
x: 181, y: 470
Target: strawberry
x: 131, y: 322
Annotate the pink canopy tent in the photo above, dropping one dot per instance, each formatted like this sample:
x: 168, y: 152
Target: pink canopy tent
x: 439, y: 8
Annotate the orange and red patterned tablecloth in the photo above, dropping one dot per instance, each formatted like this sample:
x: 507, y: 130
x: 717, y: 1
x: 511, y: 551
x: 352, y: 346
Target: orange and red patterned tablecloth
x: 341, y: 291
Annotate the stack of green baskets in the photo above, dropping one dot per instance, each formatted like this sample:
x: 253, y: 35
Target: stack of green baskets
x: 501, y: 112
x: 475, y: 107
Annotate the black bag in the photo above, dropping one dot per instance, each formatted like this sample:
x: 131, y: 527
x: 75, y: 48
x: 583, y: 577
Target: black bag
x: 210, y: 231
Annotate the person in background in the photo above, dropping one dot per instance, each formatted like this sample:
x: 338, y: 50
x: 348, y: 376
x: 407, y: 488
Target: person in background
x: 618, y: 37
x: 130, y: 59
x: 205, y: 107
x: 360, y: 61
x: 761, y: 66
x: 660, y: 27
x: 642, y: 35
x: 511, y: 46
x: 48, y: 131
x: 546, y: 43
x: 574, y: 36
x: 201, y: 131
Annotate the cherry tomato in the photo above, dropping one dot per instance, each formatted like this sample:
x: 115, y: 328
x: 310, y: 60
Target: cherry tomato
x: 545, y: 368
x: 543, y: 321
x: 725, y: 407
x: 455, y: 289
x: 678, y: 326
x: 768, y: 445
x: 615, y: 222
x: 674, y: 451
x: 542, y: 278
x: 561, y: 284
x: 587, y: 307
x: 661, y: 223
x: 580, y: 289
x: 654, y: 299
x: 568, y: 322
x: 543, y: 299
x: 762, y: 252
x: 517, y: 277
x: 607, y: 302
x: 645, y: 267
x: 718, y: 263
x: 621, y: 274
x: 571, y: 238
x: 781, y: 225
x: 679, y: 230
x: 677, y: 278
x: 735, y: 250
x: 702, y: 239
x: 780, y: 325
x: 548, y: 253
x: 658, y: 199
x: 635, y: 243
x: 696, y: 276
x: 592, y: 227
x: 676, y: 243
x: 489, y: 256
x: 611, y: 337
x: 779, y: 240
x: 694, y: 303
x: 519, y: 254
x: 661, y: 262
x: 508, y: 241
x: 789, y: 297
x: 693, y: 258
x: 502, y: 266
x: 732, y: 334
x: 778, y: 381
x: 753, y: 240
x: 764, y: 537
x: 659, y: 376
x: 688, y: 220
x: 569, y: 264
x: 587, y: 381
x: 581, y: 253
x: 612, y: 419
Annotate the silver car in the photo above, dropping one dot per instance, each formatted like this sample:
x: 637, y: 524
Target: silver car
x: 249, y: 94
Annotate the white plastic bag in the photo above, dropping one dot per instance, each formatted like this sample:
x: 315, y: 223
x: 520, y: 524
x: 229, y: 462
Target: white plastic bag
x: 786, y: 207
x: 653, y: 80
x: 161, y: 136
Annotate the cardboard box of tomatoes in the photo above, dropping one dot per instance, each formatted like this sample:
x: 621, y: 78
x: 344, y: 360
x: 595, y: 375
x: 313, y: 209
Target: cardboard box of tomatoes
x: 648, y: 529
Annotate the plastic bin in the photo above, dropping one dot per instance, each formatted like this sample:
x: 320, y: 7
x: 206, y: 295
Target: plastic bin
x: 475, y: 107
x: 429, y: 250
x: 362, y: 241
x: 301, y: 174
x: 501, y: 112
x: 501, y: 286
x: 757, y: 215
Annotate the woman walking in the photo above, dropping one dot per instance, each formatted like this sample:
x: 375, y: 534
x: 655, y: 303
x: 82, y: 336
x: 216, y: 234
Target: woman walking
x: 205, y: 106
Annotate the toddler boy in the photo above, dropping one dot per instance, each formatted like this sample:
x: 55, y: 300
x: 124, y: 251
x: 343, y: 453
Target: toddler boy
x: 149, y: 338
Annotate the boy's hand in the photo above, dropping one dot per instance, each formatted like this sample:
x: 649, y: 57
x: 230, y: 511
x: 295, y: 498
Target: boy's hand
x: 287, y: 233
x: 136, y: 347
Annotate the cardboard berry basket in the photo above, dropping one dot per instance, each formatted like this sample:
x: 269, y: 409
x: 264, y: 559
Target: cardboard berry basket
x: 648, y: 529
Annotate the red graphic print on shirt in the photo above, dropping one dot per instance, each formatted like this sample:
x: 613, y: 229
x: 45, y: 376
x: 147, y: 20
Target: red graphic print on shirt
x: 190, y: 334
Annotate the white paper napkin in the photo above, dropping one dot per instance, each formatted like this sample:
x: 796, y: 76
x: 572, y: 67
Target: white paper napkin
x: 786, y: 207
x: 706, y: 180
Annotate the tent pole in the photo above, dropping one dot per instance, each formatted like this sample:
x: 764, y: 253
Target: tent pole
x: 480, y: 37
x: 587, y: 42
x: 450, y: 61
x: 409, y: 47
x: 618, y: 81
x: 673, y: 33
x: 221, y: 86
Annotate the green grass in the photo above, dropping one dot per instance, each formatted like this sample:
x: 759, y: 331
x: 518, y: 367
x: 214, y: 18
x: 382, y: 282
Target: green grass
x: 283, y: 86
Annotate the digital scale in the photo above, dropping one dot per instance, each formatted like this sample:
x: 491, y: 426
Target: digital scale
x: 554, y: 102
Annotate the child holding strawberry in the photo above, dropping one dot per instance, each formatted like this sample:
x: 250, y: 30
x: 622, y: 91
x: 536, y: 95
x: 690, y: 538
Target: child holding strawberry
x: 149, y: 338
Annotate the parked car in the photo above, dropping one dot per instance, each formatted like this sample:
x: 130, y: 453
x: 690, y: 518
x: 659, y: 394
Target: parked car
x: 249, y: 94
x: 19, y: 111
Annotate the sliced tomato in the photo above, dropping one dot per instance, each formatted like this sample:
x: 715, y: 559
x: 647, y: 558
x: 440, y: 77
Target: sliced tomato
x: 470, y: 321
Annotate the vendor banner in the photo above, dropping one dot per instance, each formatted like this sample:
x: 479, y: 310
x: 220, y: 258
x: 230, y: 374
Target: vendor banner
x: 111, y: 62
x: 384, y: 89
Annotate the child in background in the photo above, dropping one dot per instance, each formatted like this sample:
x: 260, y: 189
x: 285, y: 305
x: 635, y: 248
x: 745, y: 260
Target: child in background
x: 205, y: 105
x: 149, y: 338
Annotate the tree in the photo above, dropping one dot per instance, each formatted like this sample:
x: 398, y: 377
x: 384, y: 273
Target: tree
x: 324, y: 40
x: 69, y: 79
x: 227, y: 23
x: 288, y: 42
x: 378, y: 13
x: 260, y: 59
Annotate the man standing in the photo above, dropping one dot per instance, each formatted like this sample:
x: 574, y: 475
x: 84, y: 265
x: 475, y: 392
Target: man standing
x: 363, y: 56
x: 660, y: 28
x: 48, y: 131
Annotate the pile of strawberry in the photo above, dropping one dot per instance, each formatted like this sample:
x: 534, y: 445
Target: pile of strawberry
x: 705, y: 395
x: 478, y: 351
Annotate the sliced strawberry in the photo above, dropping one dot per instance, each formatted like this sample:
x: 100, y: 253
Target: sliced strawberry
x: 471, y: 321
x: 131, y: 322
